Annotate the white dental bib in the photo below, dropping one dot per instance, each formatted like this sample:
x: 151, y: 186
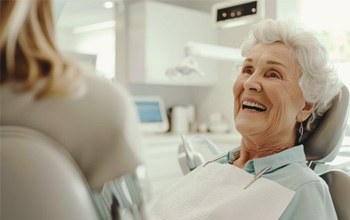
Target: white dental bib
x: 216, y: 191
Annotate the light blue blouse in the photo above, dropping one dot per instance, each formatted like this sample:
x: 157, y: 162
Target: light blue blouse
x: 312, y: 199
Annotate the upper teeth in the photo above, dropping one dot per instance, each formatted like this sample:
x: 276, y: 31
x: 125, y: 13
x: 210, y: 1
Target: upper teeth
x: 253, y: 104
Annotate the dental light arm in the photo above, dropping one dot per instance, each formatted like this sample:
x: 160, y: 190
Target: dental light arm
x: 189, y: 66
x: 212, y: 51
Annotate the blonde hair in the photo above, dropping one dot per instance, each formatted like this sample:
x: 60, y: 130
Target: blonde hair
x: 28, y: 49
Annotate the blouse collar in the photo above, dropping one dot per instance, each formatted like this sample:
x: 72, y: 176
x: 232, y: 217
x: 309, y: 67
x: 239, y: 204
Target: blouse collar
x: 292, y: 155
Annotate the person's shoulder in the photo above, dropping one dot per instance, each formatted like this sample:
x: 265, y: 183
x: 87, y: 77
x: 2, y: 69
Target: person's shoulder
x: 295, y: 176
x: 303, y: 176
x: 104, y: 90
x: 311, y: 195
x: 93, y: 81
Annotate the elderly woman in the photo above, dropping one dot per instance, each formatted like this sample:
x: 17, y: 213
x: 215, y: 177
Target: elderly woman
x: 285, y: 83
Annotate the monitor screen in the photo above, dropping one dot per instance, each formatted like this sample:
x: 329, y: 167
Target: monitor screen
x: 152, y: 114
x: 149, y: 111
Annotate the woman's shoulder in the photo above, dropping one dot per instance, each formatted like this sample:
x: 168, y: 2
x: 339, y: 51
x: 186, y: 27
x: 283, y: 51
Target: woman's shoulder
x: 110, y: 100
x: 104, y: 93
x: 311, y: 195
x: 98, y: 84
x: 296, y: 176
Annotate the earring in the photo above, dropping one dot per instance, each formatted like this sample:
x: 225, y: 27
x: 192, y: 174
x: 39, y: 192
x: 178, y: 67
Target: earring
x: 301, y: 131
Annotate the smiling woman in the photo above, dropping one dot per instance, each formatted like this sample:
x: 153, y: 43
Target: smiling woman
x: 286, y: 82
x: 269, y: 82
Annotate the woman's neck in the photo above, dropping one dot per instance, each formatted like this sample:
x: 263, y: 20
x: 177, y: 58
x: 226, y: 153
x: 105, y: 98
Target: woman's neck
x: 257, y: 147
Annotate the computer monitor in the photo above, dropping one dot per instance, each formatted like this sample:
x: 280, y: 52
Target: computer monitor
x: 152, y: 114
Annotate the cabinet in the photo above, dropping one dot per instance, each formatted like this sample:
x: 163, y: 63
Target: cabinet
x: 157, y: 34
x: 161, y: 163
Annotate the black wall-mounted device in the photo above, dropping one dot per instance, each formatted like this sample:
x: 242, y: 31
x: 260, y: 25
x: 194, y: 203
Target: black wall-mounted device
x: 237, y: 11
x: 233, y: 13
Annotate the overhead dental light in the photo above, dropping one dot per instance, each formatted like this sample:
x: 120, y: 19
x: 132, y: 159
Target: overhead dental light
x: 189, y: 65
x: 186, y: 67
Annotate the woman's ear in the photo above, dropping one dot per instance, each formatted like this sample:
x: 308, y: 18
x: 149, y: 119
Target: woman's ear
x: 305, y: 112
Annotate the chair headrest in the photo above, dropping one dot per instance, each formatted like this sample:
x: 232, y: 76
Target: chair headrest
x: 324, y: 142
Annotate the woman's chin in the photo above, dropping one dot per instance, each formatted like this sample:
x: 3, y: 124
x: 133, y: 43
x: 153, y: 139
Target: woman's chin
x: 247, y: 128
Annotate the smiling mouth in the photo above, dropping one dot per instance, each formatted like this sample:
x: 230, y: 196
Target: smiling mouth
x: 252, y: 106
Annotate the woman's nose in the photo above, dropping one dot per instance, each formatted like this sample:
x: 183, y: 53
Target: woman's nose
x: 253, y: 83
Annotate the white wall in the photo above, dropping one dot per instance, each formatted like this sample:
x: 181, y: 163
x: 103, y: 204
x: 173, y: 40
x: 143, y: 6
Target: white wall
x: 172, y: 95
x: 100, y: 43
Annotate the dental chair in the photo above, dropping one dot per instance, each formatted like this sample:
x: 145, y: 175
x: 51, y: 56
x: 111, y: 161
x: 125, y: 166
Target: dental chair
x: 321, y: 147
x: 41, y: 181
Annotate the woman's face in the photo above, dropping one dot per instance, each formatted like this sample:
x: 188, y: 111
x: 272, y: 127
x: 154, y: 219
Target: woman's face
x: 268, y: 99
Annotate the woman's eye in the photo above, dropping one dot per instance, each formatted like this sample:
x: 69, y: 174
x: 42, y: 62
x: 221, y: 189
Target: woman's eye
x: 273, y: 74
x: 247, y: 70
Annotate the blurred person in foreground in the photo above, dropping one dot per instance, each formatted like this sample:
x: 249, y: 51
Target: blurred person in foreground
x: 44, y: 90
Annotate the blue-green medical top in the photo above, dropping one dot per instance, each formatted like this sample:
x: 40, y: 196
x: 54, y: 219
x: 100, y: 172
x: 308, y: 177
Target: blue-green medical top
x: 312, y: 199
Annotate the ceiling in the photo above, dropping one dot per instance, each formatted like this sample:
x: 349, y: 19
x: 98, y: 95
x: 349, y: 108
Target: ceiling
x: 72, y: 13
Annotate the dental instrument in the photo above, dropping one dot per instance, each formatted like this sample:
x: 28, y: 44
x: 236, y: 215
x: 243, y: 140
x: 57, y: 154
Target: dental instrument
x: 257, y: 176
x: 189, y: 153
x: 231, y: 154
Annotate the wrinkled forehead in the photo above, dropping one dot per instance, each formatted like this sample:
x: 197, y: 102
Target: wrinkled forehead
x: 273, y: 53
